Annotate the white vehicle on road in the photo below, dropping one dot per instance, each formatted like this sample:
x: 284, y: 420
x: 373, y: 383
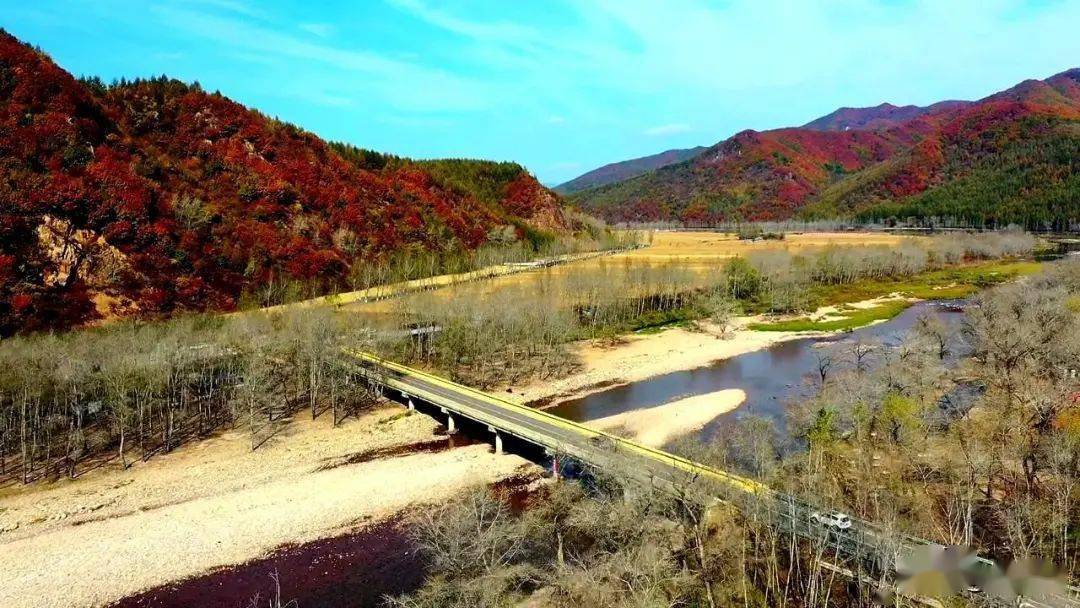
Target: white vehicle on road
x: 832, y: 519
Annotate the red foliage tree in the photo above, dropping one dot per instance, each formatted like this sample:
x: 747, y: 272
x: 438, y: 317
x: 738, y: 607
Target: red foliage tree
x: 200, y: 197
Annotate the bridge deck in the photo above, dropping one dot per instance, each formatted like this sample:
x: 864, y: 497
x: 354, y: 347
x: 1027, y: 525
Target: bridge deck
x: 560, y: 436
x: 541, y: 428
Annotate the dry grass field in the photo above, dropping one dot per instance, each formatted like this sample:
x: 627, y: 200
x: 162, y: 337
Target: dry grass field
x: 711, y: 245
x: 699, y: 255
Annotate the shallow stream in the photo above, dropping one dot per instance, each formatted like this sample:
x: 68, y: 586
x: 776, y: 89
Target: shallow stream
x: 772, y: 378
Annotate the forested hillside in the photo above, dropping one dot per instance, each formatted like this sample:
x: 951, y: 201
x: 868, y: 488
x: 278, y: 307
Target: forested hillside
x: 752, y: 175
x: 1009, y: 158
x: 880, y: 116
x: 506, y: 188
x: 154, y: 196
x: 615, y: 172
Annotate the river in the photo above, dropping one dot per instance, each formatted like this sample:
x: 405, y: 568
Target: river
x: 776, y: 376
x: 772, y: 378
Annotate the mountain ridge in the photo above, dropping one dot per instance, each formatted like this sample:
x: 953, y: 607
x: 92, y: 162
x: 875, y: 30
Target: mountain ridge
x: 621, y: 170
x: 832, y: 170
x: 881, y: 116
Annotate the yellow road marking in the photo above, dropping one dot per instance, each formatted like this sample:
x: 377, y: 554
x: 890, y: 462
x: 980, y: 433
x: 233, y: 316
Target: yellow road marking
x: 679, y: 462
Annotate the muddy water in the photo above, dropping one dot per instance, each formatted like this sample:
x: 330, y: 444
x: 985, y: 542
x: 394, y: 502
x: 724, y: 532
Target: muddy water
x: 357, y: 570
x: 351, y: 571
x: 771, y: 378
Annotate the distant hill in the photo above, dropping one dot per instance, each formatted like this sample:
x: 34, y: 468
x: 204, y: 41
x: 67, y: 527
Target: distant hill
x: 1009, y: 158
x: 1013, y: 157
x: 882, y: 116
x: 156, y: 196
x: 626, y: 169
x: 752, y: 175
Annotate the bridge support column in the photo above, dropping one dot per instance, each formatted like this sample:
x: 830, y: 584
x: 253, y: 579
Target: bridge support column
x: 451, y: 428
x: 412, y: 406
x: 554, y: 463
x: 498, y: 440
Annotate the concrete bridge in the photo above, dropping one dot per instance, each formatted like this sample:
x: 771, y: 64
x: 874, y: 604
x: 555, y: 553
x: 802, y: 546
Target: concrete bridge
x: 864, y: 547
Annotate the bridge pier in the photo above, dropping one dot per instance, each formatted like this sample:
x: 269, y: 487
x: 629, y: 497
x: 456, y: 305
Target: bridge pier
x: 554, y: 462
x: 498, y: 441
x: 412, y: 406
x: 451, y: 427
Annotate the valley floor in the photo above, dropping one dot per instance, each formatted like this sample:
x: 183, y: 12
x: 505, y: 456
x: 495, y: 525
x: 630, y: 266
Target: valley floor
x: 110, y: 534
x: 393, y: 290
x: 216, y: 503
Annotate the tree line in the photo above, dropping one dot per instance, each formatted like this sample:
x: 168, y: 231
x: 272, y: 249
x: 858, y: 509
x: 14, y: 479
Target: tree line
x: 1032, y: 182
x: 72, y: 401
x: 502, y: 247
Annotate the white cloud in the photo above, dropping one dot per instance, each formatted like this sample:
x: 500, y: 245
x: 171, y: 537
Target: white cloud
x: 358, y: 74
x: 327, y: 99
x: 503, y: 31
x: 234, y: 6
x: 169, y: 56
x: 556, y: 120
x: 668, y: 129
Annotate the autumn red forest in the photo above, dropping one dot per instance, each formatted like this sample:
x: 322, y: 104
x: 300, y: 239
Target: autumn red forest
x: 159, y: 196
x: 154, y: 196
x: 1008, y: 158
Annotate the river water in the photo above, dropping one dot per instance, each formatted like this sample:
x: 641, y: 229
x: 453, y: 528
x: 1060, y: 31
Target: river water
x: 777, y: 376
x: 772, y: 378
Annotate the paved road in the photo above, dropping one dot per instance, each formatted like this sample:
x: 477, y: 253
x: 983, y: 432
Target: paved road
x: 558, y: 435
x: 863, y: 542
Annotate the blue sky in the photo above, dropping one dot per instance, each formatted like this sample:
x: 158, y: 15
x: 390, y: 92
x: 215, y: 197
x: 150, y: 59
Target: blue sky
x: 561, y: 86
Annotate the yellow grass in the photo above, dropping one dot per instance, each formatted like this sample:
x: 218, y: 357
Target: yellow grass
x: 382, y: 292
x: 701, y: 253
x: 705, y: 245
